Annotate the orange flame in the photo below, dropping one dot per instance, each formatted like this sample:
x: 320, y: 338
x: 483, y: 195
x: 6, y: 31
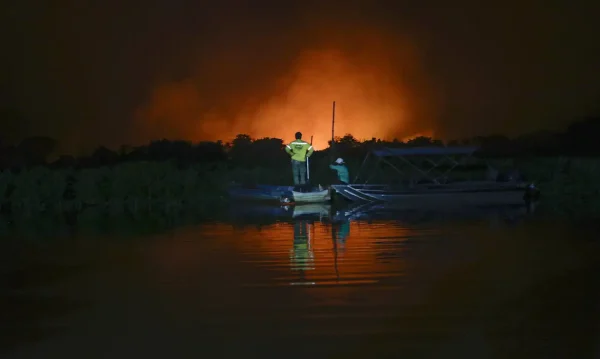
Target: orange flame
x: 370, y: 101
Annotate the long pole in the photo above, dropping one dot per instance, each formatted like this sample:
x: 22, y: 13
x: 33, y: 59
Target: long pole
x: 307, y: 166
x: 333, y: 125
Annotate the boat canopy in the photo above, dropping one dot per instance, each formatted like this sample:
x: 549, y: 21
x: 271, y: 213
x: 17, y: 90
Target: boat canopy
x: 423, y: 166
x: 425, y: 151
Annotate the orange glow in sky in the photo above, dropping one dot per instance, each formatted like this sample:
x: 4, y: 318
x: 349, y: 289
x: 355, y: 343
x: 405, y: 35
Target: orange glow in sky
x: 371, y: 101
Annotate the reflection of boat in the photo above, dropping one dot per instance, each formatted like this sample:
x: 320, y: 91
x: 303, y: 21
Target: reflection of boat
x: 353, y: 211
x: 396, y: 211
x: 269, y: 211
x: 432, y: 189
x: 318, y: 209
x: 257, y: 213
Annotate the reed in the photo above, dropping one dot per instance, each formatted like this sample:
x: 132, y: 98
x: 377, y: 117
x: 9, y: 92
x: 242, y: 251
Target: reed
x: 133, y: 187
x: 569, y: 184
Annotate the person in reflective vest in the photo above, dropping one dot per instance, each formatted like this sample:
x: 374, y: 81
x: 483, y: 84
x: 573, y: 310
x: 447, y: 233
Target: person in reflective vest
x: 342, y: 171
x: 299, y: 151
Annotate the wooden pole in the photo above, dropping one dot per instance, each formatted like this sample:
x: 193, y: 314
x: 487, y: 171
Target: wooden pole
x: 333, y: 126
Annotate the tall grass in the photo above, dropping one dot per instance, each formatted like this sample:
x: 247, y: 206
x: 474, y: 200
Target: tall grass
x: 567, y: 183
x: 134, y: 187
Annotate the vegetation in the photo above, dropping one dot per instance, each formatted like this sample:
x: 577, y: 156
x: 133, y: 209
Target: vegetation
x: 568, y: 185
x: 174, y: 176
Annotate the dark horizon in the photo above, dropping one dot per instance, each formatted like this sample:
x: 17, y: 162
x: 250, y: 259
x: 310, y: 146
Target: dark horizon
x: 579, y: 140
x: 125, y: 73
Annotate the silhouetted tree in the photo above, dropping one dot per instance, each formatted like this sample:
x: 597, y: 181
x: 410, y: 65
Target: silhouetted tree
x: 35, y: 150
x: 423, y: 141
x: 240, y: 151
x: 579, y: 139
x: 103, y: 156
x: 582, y: 137
x: 165, y: 149
x: 210, y: 152
x: 269, y: 152
x: 64, y: 161
x: 541, y: 143
x: 496, y: 145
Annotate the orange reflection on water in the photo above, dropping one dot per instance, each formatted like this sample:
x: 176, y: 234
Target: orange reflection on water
x: 319, y: 253
x: 300, y: 252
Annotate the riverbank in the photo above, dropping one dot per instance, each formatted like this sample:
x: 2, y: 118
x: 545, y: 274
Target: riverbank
x: 567, y: 185
x: 128, y: 187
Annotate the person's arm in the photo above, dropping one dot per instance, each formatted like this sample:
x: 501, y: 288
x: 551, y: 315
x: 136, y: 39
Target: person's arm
x: 289, y: 151
x: 310, y: 151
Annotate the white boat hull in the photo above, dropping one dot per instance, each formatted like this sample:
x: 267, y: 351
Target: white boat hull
x: 312, y: 197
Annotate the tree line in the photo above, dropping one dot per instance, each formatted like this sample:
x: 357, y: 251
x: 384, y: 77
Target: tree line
x: 580, y: 139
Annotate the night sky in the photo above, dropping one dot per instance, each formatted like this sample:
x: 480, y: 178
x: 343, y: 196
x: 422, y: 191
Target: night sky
x: 115, y: 72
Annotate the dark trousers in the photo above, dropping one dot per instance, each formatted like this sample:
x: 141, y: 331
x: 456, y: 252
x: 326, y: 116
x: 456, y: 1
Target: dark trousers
x: 299, y: 172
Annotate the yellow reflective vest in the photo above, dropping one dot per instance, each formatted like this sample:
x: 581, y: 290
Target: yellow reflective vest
x: 299, y: 150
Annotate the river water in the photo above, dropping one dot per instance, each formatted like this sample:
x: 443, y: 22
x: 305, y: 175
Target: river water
x: 483, y: 284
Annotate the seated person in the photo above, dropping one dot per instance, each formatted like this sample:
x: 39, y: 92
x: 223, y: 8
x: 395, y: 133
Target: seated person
x: 343, y: 176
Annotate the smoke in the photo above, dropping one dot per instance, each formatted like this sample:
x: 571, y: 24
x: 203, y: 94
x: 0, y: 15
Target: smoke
x: 376, y: 80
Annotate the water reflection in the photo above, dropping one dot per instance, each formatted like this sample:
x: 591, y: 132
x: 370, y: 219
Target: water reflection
x: 22, y: 308
x: 302, y: 255
x: 377, y: 283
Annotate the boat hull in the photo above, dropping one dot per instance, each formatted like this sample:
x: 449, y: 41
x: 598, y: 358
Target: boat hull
x: 277, y: 193
x: 448, y: 196
x: 311, y: 197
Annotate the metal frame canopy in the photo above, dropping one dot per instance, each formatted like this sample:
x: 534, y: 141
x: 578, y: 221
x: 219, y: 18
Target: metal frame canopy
x: 443, y: 155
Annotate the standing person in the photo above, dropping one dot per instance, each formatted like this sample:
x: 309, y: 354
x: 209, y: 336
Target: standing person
x: 299, y: 150
x: 342, y: 171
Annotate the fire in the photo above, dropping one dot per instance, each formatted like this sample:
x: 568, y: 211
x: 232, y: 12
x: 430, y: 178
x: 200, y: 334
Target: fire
x: 370, y: 101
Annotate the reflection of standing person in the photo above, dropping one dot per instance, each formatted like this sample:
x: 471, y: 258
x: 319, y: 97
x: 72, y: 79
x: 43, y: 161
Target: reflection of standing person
x: 340, y: 234
x: 299, y: 150
x: 302, y: 256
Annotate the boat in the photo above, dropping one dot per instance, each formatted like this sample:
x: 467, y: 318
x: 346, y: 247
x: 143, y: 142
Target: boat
x: 308, y: 197
x: 417, y: 187
x: 279, y: 194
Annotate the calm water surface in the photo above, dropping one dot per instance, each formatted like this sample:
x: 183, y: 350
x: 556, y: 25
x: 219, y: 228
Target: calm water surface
x: 400, y: 285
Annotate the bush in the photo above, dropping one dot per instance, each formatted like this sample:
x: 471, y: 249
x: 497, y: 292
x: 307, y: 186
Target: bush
x: 568, y: 184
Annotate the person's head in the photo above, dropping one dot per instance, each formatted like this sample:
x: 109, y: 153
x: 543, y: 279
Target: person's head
x: 298, y: 135
x: 339, y: 161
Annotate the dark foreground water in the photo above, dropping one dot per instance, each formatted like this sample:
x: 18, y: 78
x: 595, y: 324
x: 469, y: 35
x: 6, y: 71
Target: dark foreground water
x: 388, y: 284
